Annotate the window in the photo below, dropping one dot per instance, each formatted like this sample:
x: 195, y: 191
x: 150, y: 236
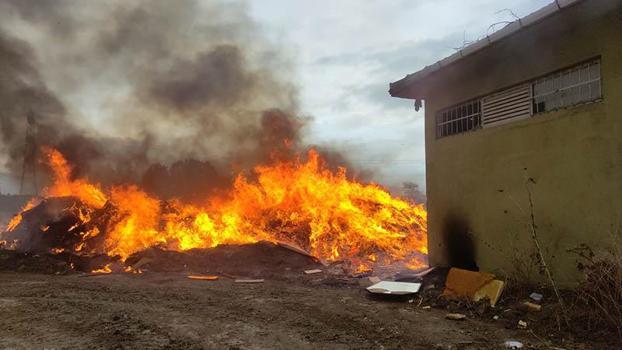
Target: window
x: 569, y: 87
x: 458, y: 119
x: 576, y: 85
x: 506, y: 106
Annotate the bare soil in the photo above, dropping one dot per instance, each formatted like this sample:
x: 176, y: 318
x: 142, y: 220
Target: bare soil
x: 170, y: 311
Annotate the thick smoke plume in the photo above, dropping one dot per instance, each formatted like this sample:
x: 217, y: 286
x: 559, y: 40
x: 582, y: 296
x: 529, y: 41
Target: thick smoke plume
x: 161, y: 92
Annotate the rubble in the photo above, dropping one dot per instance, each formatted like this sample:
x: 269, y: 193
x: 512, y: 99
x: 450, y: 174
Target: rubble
x: 455, y: 316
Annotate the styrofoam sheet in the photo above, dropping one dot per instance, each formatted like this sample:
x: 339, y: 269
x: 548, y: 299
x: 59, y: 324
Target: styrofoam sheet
x: 395, y: 288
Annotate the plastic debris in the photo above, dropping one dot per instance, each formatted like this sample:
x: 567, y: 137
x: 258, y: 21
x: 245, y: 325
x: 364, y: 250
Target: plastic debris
x: 522, y: 324
x: 513, y: 344
x: 536, y: 296
x: 394, y: 288
x: 311, y: 272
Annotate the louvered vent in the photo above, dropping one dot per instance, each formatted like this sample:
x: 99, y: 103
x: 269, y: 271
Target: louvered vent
x: 506, y: 106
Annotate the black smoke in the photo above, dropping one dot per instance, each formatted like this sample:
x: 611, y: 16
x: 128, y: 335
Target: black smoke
x: 164, y: 93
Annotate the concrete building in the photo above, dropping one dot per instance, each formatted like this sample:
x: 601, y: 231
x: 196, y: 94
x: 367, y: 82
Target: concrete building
x: 530, y: 116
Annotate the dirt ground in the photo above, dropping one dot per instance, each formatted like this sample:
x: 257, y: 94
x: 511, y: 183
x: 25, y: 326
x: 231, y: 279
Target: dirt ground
x: 169, y: 311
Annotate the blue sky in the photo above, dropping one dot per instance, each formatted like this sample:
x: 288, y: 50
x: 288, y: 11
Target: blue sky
x: 346, y: 52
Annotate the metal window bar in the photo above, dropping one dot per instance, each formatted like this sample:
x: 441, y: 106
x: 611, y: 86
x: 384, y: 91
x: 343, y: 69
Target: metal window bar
x: 458, y: 119
x: 567, y: 88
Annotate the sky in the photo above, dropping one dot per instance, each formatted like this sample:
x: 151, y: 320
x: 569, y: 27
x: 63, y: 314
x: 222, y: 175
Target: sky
x: 342, y: 55
x: 347, y: 52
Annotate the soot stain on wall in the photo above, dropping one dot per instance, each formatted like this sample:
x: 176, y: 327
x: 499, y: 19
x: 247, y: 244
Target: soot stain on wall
x: 459, y: 245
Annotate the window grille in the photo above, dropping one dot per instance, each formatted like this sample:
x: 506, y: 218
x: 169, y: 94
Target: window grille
x: 506, y: 106
x: 576, y: 85
x: 459, y: 119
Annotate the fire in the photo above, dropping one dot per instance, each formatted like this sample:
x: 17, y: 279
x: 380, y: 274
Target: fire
x: 103, y: 270
x: 299, y: 201
x: 18, y: 218
x: 63, y: 184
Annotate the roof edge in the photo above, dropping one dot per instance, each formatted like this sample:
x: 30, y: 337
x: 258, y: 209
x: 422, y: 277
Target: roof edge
x: 401, y: 88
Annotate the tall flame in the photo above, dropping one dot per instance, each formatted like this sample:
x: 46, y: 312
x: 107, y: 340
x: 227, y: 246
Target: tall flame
x: 64, y: 185
x: 300, y: 202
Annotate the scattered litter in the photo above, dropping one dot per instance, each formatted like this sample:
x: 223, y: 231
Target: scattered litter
x: 394, y: 288
x: 311, y: 272
x: 536, y: 296
x: 427, y: 307
x: 491, y: 290
x: 472, y: 285
x: 522, y: 324
x: 464, y: 283
x: 495, y: 317
x: 455, y: 317
x: 410, y: 301
x: 249, y: 281
x: 203, y: 277
x: 513, y: 344
x: 368, y: 281
x: 531, y: 306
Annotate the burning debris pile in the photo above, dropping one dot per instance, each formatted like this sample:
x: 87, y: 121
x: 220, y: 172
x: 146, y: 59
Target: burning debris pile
x: 179, y: 130
x: 300, y: 202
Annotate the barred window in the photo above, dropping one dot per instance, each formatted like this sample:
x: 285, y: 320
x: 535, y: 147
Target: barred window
x: 459, y: 119
x: 576, y: 85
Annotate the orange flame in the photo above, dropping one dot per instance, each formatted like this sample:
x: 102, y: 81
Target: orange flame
x: 64, y: 185
x: 18, y: 218
x: 300, y: 202
x: 103, y: 270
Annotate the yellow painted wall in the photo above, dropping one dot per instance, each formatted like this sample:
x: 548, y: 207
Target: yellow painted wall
x: 476, y: 180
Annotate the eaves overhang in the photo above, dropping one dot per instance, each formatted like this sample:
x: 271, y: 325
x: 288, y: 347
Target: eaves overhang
x: 413, y: 85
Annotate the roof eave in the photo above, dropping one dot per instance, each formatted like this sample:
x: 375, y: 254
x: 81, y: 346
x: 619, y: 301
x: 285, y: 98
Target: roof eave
x: 411, y: 86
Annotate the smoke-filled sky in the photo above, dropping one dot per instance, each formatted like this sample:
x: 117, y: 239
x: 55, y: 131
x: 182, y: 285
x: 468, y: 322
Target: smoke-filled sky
x: 120, y: 85
x: 347, y: 52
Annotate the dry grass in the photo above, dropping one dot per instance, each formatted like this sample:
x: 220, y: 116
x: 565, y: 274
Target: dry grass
x: 601, y: 291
